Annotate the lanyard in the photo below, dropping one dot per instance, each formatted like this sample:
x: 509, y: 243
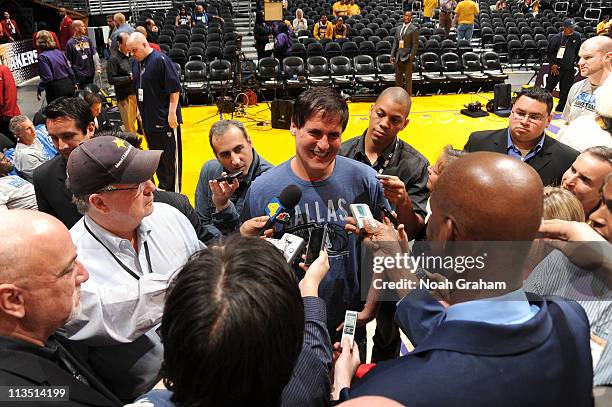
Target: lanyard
x: 388, y: 159
x: 126, y: 268
x: 141, y: 67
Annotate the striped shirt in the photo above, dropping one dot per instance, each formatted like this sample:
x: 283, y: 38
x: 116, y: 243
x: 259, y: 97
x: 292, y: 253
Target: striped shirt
x: 557, y: 275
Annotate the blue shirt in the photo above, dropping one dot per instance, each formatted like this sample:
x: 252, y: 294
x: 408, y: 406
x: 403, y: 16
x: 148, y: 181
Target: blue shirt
x: 158, y: 80
x: 508, y: 309
x: 325, y: 202
x: 513, y: 151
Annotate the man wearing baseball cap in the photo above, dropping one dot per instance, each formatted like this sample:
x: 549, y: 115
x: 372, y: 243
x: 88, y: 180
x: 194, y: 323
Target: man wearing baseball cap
x: 563, y: 56
x: 131, y: 247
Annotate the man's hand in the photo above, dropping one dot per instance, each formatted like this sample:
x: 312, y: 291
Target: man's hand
x: 39, y: 96
x: 172, y: 120
x: 395, y: 190
x: 554, y: 69
x: 253, y: 226
x: 569, y: 231
x: 315, y: 273
x: 381, y: 238
x: 392, y: 60
x: 222, y: 192
x: 345, y: 367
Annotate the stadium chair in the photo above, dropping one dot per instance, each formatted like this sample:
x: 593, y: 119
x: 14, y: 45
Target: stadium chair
x: 318, y: 72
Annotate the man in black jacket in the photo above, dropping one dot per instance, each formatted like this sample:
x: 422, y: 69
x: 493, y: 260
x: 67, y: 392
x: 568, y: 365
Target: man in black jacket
x: 40, y: 289
x: 119, y: 71
x: 563, y: 56
x: 525, y: 138
x: 69, y: 122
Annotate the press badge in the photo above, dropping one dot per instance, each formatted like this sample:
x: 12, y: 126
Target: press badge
x: 401, y: 44
x: 84, y: 56
x: 597, y: 348
x: 561, y: 52
x: 140, y: 95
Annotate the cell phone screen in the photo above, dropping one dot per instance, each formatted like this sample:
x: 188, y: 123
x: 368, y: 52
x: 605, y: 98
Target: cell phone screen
x: 315, y: 244
x: 230, y: 177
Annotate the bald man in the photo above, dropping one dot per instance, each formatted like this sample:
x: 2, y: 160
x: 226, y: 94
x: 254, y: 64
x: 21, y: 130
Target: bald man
x: 595, y: 65
x: 491, y: 343
x: 405, y: 187
x: 158, y: 88
x: 40, y: 280
x: 82, y: 55
x: 120, y: 26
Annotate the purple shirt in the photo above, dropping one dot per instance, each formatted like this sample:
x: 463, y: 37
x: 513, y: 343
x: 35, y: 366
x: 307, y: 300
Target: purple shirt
x: 80, y: 52
x: 53, y: 66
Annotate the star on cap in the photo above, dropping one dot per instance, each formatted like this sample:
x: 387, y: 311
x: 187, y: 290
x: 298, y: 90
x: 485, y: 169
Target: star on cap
x: 119, y: 142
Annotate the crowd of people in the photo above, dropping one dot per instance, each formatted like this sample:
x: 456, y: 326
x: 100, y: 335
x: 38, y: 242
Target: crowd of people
x: 124, y: 292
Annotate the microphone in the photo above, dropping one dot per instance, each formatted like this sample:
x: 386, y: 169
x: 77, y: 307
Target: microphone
x: 279, y: 207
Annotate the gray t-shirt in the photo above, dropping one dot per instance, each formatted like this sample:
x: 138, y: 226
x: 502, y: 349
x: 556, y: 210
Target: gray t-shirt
x: 16, y: 193
x: 580, y: 100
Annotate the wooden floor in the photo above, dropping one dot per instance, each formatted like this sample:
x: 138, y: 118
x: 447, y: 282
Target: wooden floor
x: 434, y: 122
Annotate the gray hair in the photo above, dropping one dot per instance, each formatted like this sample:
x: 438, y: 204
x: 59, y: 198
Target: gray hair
x: 16, y: 122
x: 82, y: 203
x: 222, y: 126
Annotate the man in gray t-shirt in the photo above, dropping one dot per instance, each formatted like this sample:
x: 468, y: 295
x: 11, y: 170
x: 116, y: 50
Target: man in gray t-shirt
x: 595, y: 65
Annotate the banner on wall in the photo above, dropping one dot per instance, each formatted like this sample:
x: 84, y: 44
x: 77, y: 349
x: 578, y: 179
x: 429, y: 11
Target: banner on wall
x: 544, y: 73
x: 21, y: 58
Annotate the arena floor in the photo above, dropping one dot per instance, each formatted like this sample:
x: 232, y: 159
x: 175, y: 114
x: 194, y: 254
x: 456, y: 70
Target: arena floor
x: 434, y: 122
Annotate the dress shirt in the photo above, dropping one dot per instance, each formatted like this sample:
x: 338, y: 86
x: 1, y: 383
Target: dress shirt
x: 53, y: 66
x: 513, y: 151
x: 119, y: 313
x: 508, y: 309
x: 557, y: 275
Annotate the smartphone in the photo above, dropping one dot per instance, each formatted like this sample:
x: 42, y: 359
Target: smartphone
x: 389, y: 215
x: 383, y: 176
x: 229, y: 178
x: 361, y: 212
x: 316, y: 243
x: 350, y: 325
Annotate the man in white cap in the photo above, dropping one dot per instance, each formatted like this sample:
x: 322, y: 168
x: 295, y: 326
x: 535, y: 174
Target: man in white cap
x: 131, y: 247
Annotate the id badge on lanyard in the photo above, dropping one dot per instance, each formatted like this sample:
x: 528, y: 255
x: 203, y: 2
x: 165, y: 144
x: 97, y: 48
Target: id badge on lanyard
x: 140, y: 90
x: 561, y: 52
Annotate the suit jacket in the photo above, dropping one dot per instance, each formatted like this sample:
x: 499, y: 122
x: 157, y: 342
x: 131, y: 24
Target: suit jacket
x: 24, y: 364
x: 6, y: 32
x: 545, y: 361
x: 411, y: 44
x: 550, y: 162
x: 52, y: 195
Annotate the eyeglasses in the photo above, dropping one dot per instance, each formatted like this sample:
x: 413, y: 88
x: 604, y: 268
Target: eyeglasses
x: 140, y: 188
x: 533, y: 118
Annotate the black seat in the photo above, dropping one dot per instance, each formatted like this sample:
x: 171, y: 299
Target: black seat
x: 298, y: 50
x: 332, y: 49
x: 195, y: 79
x: 365, y: 71
x: 492, y: 67
x: 341, y: 72
x: 315, y: 49
x: 294, y: 73
x: 318, y: 71
x: 453, y: 69
x: 367, y: 48
x: 220, y: 76
x: 269, y: 74
x: 432, y: 68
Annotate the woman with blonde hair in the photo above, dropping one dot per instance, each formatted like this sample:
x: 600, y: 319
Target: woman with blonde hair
x: 561, y: 204
x: 56, y: 76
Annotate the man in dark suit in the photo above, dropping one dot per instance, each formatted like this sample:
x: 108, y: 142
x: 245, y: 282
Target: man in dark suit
x: 540, y: 345
x: 525, y: 137
x: 40, y: 291
x: 404, y: 50
x: 69, y: 122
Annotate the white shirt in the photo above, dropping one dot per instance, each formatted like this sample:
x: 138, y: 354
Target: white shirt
x: 16, y: 193
x: 27, y: 158
x: 119, y: 314
x: 584, y: 132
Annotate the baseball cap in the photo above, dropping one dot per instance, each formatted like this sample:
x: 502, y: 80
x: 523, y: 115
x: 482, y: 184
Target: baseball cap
x: 568, y: 22
x: 106, y: 160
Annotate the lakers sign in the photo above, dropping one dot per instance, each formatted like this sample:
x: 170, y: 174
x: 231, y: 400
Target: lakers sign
x: 21, y: 58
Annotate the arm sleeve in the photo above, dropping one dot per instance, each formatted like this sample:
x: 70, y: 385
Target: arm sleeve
x: 552, y: 50
x: 112, y: 71
x: 172, y: 84
x: 415, y: 45
x: 45, y: 71
x: 418, y: 192
x: 571, y: 96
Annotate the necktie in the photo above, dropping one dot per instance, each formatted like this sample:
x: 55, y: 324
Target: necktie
x: 403, y: 32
